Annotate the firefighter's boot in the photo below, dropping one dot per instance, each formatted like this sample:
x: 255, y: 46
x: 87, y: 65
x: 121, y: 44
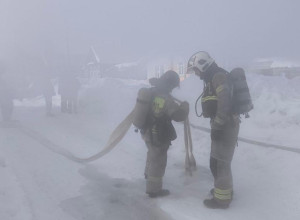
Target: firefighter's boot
x: 161, y: 193
x: 213, y: 204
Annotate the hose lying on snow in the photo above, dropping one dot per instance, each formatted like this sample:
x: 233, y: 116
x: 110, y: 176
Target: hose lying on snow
x: 258, y: 143
x: 123, y: 127
x: 115, y: 137
x: 121, y: 130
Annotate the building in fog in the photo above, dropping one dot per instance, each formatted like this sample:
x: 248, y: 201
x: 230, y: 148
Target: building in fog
x: 92, y: 67
x: 157, y: 68
x: 273, y: 67
x: 95, y: 68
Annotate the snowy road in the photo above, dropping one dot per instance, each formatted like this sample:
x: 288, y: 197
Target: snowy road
x: 52, y: 190
x: 41, y: 180
x: 40, y: 183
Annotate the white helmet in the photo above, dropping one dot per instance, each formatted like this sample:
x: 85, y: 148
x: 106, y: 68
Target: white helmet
x: 200, y: 60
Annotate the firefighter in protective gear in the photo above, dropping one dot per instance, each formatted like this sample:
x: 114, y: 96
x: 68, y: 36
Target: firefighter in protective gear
x: 216, y: 105
x: 159, y: 131
x: 7, y: 94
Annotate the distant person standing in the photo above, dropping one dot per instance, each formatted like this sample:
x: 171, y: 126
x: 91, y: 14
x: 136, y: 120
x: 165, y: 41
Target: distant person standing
x: 68, y: 89
x: 6, y: 97
x: 48, y: 92
x: 62, y: 91
x: 73, y: 98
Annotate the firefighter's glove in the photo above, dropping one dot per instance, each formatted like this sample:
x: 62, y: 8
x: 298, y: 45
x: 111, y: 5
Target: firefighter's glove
x: 182, y: 112
x: 216, y: 134
x: 217, y: 124
x: 185, y: 107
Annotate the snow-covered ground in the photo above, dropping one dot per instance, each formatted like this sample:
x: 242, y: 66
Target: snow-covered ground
x: 39, y: 183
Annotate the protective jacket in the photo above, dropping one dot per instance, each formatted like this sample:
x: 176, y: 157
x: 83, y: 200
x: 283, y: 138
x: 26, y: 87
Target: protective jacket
x: 163, y: 110
x: 216, y: 99
x: 158, y: 135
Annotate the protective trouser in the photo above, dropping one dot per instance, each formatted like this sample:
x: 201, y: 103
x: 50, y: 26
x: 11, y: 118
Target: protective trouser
x: 63, y: 105
x: 222, y: 151
x: 48, y: 100
x: 155, y: 166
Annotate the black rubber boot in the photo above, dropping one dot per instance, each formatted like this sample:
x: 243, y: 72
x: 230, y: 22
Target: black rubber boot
x: 161, y: 193
x: 213, y: 204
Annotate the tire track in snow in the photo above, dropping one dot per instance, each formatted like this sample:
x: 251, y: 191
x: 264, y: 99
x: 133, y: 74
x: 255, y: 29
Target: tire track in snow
x: 130, y: 204
x: 47, y: 143
x: 26, y: 199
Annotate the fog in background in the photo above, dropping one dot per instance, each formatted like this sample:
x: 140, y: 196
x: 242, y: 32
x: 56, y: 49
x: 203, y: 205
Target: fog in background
x: 59, y: 32
x: 44, y: 45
